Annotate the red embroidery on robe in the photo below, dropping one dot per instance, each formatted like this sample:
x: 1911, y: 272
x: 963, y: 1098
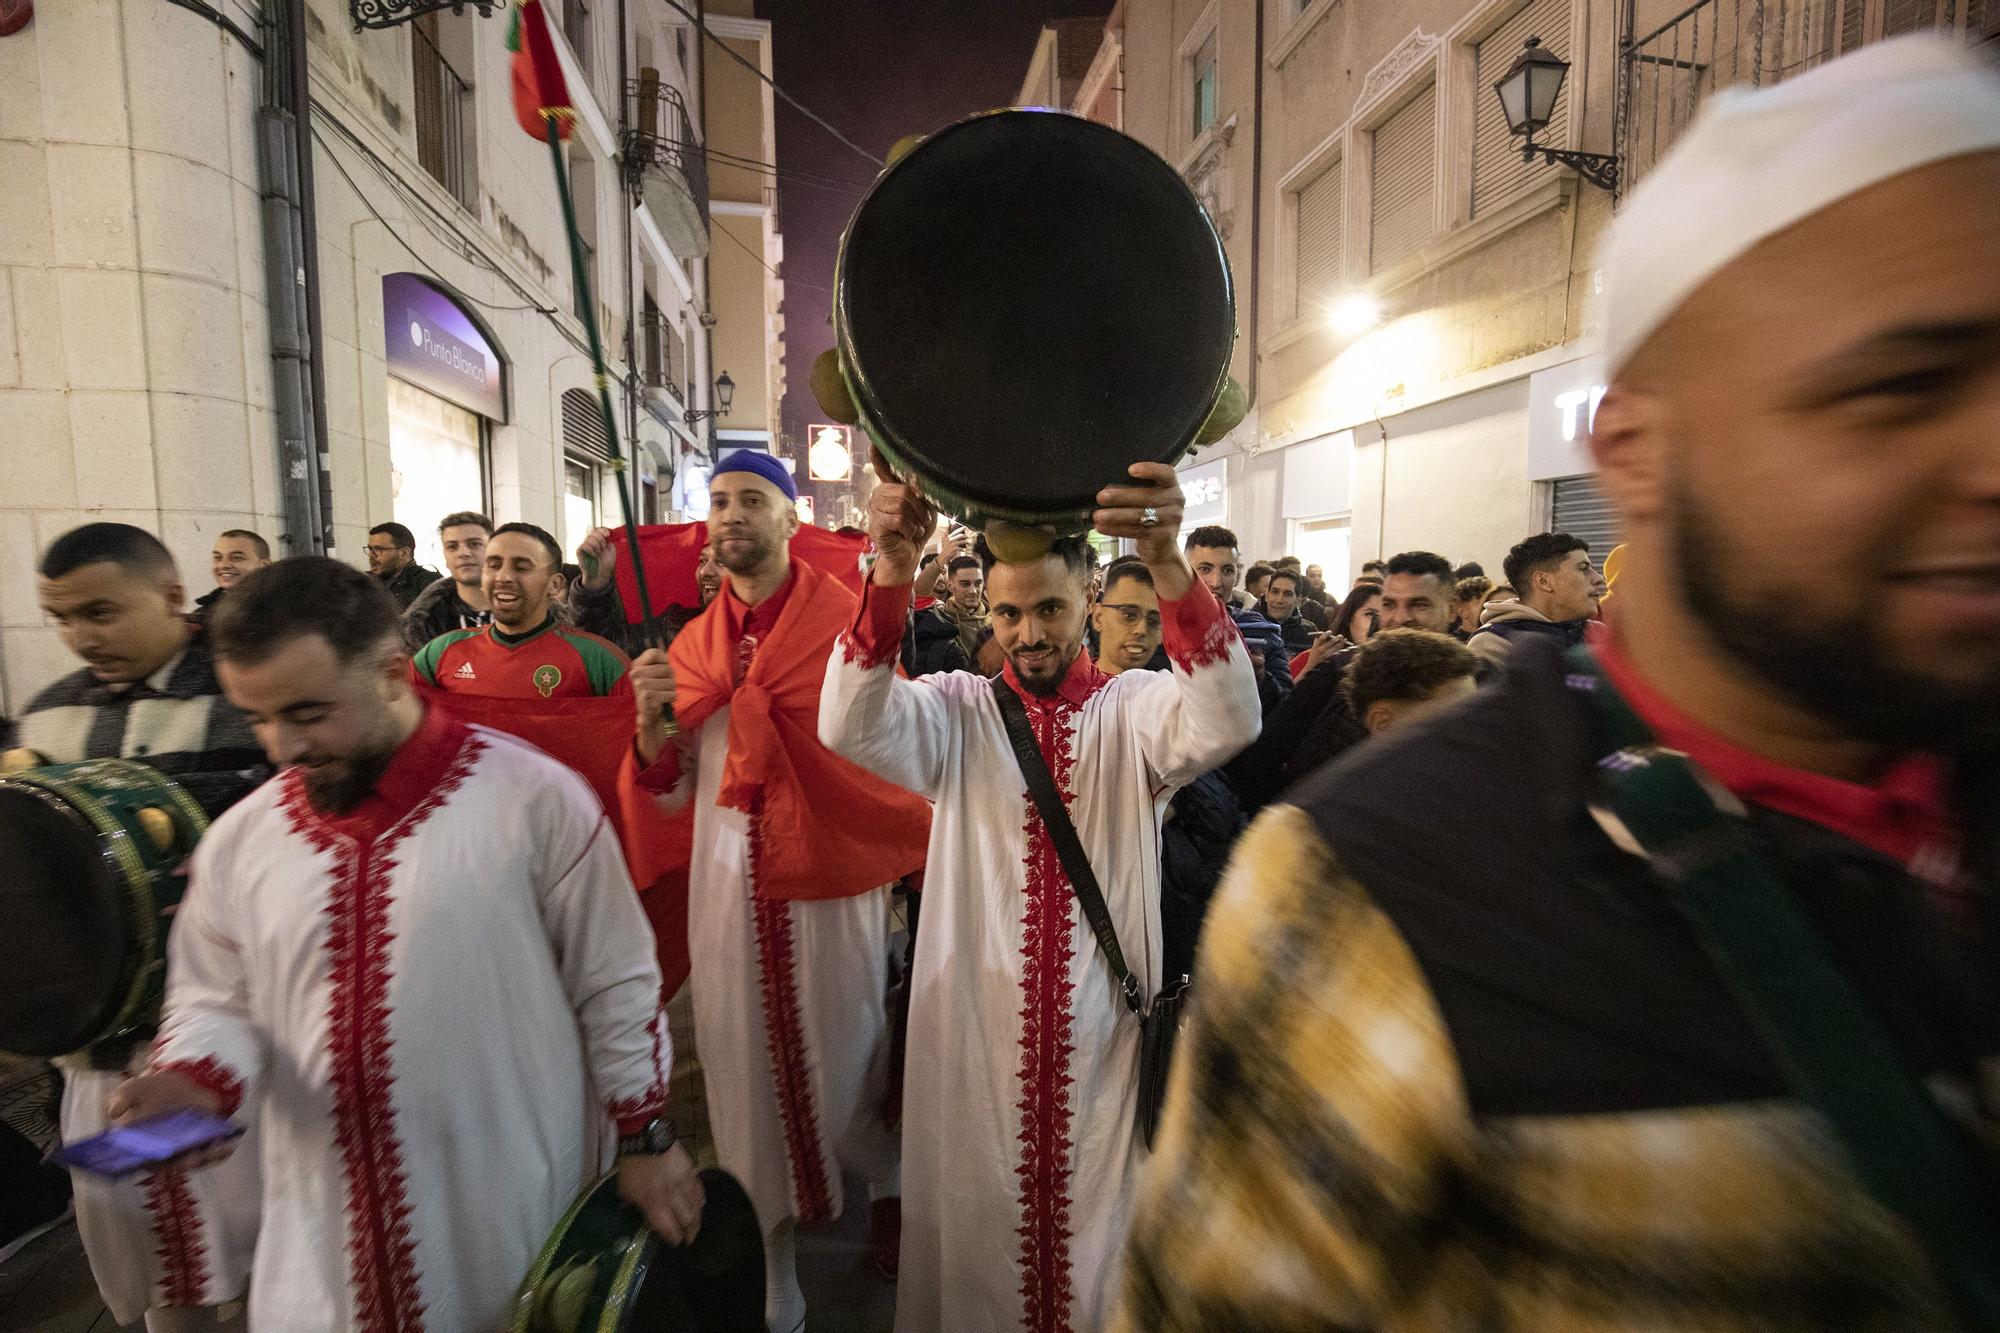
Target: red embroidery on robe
x: 784, y: 1038
x: 1046, y: 1047
x: 177, y: 1240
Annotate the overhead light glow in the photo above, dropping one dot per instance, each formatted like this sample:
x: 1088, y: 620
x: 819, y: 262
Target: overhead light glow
x: 1354, y: 315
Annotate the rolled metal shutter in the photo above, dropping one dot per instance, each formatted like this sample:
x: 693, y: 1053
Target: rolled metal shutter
x: 1319, y: 233
x: 583, y: 426
x: 1497, y: 168
x: 1402, y: 211
x: 1582, y: 509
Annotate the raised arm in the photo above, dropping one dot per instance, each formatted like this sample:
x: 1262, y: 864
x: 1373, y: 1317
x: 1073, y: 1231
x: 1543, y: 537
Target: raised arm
x: 1207, y: 710
x: 897, y: 729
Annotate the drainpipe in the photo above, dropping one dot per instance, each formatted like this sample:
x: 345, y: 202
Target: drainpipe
x: 291, y: 264
x: 1256, y: 196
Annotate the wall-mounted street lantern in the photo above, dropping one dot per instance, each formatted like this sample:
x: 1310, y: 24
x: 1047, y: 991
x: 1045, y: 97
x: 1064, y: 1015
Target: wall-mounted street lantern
x: 1527, y: 93
x: 725, y: 394
x: 388, y: 13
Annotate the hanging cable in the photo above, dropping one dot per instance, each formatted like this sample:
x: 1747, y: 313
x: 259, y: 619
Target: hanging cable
x: 762, y: 77
x: 792, y: 282
x: 785, y: 174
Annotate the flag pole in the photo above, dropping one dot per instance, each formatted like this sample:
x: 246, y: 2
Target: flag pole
x: 649, y: 625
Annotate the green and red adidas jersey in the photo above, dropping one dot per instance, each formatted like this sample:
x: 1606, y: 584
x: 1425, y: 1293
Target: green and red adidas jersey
x: 553, y: 662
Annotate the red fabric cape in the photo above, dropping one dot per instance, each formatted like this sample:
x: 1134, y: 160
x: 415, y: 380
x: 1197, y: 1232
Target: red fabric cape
x: 671, y: 551
x: 593, y: 736
x: 824, y: 827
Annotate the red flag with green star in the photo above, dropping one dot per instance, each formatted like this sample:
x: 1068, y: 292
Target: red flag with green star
x: 540, y: 94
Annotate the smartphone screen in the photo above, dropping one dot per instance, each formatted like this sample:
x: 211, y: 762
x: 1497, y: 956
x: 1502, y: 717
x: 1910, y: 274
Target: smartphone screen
x: 127, y: 1148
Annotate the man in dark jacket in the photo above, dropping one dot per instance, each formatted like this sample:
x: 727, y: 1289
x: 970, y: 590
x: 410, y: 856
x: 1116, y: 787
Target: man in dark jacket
x: 458, y: 602
x: 1284, y: 604
x: 1656, y: 986
x: 392, y: 558
x: 1557, y: 589
x: 945, y: 636
x: 596, y: 608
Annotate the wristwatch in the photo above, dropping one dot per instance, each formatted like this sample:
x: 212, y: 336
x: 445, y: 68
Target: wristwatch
x: 656, y: 1136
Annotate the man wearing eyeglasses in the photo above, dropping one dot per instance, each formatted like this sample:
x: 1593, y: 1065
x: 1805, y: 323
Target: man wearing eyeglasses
x: 392, y: 558
x: 1127, y: 619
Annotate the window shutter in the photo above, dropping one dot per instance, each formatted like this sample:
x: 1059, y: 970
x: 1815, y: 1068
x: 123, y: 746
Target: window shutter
x: 1497, y: 168
x: 1402, y: 211
x: 1853, y: 18
x: 1319, y: 231
x: 1901, y: 16
x: 1584, y: 511
x: 583, y: 425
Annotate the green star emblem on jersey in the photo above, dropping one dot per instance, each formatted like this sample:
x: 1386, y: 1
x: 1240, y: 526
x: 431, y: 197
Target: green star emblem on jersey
x: 547, y: 678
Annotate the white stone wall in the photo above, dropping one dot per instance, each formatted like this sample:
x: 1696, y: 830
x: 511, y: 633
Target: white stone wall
x: 135, y: 380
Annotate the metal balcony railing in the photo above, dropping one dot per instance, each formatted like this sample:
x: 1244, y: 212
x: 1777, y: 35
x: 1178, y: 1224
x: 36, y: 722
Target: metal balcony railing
x: 1670, y: 62
x: 660, y: 138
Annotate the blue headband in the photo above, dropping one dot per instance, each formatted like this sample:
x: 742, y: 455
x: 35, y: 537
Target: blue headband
x: 763, y: 465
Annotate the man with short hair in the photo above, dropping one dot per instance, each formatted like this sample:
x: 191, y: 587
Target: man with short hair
x: 1211, y: 550
x: 238, y: 551
x: 392, y: 558
x: 1257, y: 580
x: 1371, y: 572
x: 1402, y: 675
x: 1019, y: 1147
x: 1416, y: 592
x: 172, y: 1245
x: 418, y: 953
x: 526, y: 651
x: 1282, y: 604
x: 945, y: 637
x: 1126, y: 617
x: 1552, y: 573
x: 1701, y: 1036
x: 458, y: 602
x: 795, y: 853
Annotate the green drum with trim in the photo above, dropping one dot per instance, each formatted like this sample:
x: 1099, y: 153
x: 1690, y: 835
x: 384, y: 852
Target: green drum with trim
x: 92, y: 864
x: 1026, y: 304
x: 604, y: 1271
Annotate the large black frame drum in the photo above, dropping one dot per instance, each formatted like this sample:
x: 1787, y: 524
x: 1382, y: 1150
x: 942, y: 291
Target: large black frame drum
x: 92, y: 862
x: 1026, y: 304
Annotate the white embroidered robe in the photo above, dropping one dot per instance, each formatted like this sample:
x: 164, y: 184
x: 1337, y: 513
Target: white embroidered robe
x: 438, y: 1004
x: 1019, y: 1146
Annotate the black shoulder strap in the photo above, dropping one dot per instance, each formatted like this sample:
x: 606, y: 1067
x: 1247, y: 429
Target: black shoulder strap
x: 1069, y: 849
x: 1837, y: 1054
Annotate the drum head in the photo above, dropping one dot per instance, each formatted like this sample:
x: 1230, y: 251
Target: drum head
x: 1029, y: 302
x: 65, y: 939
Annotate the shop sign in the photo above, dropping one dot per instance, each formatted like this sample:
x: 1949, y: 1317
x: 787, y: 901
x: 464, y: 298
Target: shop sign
x: 432, y: 343
x: 1562, y: 404
x: 1206, y: 489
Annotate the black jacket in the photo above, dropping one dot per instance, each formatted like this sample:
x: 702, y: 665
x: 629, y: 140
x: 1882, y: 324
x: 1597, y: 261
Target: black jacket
x: 601, y: 611
x: 406, y: 583
x: 1308, y: 728
x: 1570, y: 983
x: 439, y: 610
x: 1297, y: 629
x: 1203, y: 822
x: 930, y: 644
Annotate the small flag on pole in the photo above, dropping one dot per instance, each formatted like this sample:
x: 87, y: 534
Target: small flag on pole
x: 540, y: 94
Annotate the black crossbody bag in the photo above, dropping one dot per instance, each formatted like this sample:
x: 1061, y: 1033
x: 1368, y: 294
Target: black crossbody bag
x: 1159, y: 1023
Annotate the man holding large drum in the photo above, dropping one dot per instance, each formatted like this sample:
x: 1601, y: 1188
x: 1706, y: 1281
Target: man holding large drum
x: 171, y: 1246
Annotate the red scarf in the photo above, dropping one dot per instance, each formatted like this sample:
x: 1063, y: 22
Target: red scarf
x: 821, y: 827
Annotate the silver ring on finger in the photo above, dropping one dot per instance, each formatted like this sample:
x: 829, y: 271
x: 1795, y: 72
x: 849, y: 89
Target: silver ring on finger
x: 1149, y: 517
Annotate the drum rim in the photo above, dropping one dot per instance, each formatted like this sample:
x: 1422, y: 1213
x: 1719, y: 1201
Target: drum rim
x: 538, y: 1272
x: 898, y: 450
x: 116, y: 848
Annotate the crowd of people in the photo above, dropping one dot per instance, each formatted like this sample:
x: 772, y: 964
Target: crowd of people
x: 1582, y: 958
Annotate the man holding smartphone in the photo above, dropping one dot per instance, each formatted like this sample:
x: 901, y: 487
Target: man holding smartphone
x: 418, y: 953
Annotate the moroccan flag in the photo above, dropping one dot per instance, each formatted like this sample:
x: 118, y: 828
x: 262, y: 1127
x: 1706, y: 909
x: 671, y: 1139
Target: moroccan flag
x: 672, y: 551
x: 540, y: 94
x: 592, y: 736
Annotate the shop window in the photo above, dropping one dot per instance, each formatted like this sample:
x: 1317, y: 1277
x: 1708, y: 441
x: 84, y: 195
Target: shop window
x: 437, y: 464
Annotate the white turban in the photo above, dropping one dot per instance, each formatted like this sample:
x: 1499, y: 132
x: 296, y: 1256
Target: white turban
x: 1758, y: 160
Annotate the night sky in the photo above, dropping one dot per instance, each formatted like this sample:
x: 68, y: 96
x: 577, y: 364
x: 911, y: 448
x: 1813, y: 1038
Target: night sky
x: 878, y: 69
